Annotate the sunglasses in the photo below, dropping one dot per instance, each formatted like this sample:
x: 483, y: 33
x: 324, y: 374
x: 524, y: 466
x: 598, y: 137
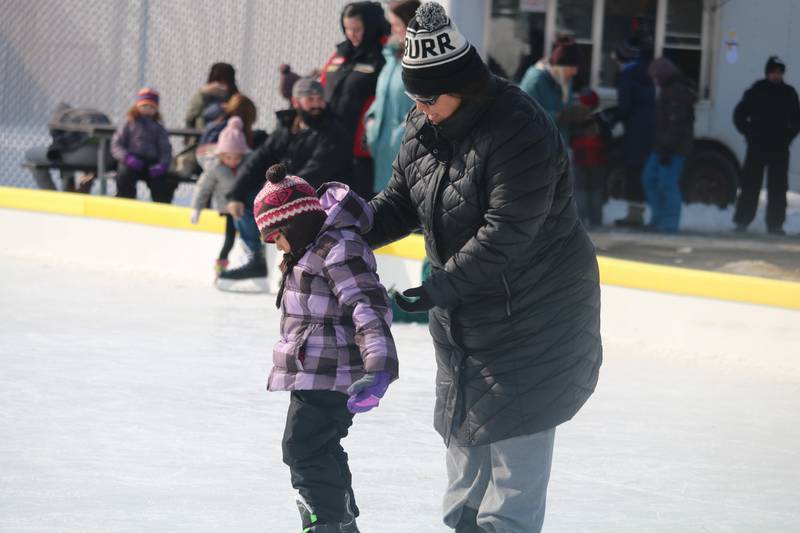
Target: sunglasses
x: 424, y: 100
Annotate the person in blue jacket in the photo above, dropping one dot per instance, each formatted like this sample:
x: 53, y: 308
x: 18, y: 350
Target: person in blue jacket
x: 386, y: 118
x: 636, y: 109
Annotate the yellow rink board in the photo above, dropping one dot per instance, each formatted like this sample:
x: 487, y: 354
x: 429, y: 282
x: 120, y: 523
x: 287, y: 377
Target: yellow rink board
x: 623, y: 273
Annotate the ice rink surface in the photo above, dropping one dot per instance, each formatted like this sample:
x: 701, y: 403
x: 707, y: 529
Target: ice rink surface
x: 132, y: 398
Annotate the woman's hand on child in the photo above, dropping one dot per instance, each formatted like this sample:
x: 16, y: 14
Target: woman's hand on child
x: 195, y: 216
x: 367, y: 392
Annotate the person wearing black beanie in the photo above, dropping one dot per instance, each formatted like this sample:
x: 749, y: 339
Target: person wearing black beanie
x: 513, y: 296
x: 769, y: 118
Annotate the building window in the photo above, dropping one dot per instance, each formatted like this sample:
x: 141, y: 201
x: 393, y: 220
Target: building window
x: 574, y: 17
x: 623, y: 19
x: 516, y: 36
x: 683, y: 36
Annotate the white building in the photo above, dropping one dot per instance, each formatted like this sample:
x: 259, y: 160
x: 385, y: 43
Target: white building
x: 722, y: 45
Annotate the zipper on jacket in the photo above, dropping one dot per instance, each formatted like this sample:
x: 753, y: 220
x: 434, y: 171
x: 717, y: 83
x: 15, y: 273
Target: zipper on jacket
x: 508, y: 294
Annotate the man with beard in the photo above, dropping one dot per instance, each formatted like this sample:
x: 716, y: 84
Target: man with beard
x: 311, y: 142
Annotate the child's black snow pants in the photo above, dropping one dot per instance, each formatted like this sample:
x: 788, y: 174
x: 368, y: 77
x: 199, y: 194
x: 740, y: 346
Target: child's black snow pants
x: 317, y: 420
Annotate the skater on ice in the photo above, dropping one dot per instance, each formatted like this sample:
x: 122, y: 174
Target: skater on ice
x: 311, y: 142
x: 336, y: 353
x: 514, y: 296
x: 218, y: 179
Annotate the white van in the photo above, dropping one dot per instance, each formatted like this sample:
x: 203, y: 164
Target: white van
x: 722, y: 45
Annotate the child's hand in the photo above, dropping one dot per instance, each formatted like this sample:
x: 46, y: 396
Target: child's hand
x: 195, y: 216
x: 367, y: 392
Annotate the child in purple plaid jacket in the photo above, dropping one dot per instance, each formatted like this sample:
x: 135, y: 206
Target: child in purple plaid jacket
x: 336, y: 353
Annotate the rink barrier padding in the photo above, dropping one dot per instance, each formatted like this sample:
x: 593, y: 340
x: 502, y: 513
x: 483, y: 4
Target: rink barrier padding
x: 703, y: 283
x: 619, y: 272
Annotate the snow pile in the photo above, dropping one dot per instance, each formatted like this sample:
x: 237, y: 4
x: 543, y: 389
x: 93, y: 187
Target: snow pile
x: 711, y: 219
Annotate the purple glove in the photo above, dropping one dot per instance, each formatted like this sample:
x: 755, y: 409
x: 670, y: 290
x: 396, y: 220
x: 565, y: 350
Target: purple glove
x: 367, y: 392
x: 158, y: 170
x: 133, y: 162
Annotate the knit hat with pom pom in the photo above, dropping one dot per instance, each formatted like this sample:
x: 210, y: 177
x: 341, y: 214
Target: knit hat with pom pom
x: 288, y: 204
x: 437, y: 58
x: 231, y: 138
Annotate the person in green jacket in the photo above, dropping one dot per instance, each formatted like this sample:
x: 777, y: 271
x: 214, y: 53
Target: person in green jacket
x: 549, y: 81
x: 386, y: 118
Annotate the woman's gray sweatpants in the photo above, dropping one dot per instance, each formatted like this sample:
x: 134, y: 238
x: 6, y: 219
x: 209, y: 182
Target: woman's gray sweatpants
x: 500, y: 486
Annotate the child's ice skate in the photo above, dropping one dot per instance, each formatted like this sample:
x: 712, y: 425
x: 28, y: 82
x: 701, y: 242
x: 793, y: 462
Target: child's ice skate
x: 250, y: 277
x: 349, y: 523
x: 309, y: 520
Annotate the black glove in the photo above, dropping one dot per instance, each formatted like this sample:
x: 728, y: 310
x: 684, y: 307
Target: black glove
x: 665, y: 159
x: 414, y: 300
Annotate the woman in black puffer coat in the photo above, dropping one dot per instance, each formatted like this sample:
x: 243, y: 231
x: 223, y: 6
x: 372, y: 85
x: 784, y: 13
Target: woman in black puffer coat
x: 514, y: 296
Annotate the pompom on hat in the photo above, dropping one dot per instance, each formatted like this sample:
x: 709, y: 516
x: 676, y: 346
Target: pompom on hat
x: 231, y: 139
x: 286, y: 203
x: 147, y: 96
x: 437, y: 58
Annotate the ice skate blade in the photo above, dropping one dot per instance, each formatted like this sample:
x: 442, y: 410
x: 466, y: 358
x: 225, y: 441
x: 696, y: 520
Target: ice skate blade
x: 248, y: 285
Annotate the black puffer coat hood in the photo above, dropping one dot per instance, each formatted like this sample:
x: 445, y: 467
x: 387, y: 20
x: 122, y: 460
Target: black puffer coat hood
x: 516, y: 327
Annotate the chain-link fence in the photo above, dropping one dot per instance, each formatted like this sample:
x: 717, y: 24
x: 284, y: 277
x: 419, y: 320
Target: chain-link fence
x: 97, y: 53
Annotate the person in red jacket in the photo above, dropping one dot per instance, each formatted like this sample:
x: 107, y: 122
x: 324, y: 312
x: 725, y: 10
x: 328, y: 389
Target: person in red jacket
x: 589, y: 160
x: 350, y: 76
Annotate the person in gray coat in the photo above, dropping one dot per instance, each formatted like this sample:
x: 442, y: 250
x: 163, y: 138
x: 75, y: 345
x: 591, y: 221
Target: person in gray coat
x: 514, y: 295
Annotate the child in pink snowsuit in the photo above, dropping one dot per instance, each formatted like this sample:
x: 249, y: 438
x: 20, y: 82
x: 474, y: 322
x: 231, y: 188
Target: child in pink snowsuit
x: 336, y: 353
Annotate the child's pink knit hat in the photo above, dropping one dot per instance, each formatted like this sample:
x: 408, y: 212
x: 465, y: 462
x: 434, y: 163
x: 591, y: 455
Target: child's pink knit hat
x: 231, y: 139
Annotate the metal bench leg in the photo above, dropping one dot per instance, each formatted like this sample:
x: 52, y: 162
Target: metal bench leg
x: 101, y: 166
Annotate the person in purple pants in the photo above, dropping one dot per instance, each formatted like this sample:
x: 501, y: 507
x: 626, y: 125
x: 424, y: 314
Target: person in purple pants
x: 336, y: 353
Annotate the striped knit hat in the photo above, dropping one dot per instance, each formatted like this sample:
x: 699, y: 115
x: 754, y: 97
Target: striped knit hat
x: 286, y: 201
x: 437, y: 59
x: 147, y: 96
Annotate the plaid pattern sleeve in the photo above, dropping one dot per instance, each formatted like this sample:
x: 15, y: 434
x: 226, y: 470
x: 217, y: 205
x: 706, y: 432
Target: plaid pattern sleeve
x: 350, y: 271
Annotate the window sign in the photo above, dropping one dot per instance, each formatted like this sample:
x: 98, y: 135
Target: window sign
x: 533, y: 6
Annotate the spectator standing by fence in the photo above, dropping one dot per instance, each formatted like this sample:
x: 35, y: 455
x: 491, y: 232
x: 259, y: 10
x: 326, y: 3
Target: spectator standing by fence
x: 350, y: 77
x: 141, y: 147
x: 769, y: 117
